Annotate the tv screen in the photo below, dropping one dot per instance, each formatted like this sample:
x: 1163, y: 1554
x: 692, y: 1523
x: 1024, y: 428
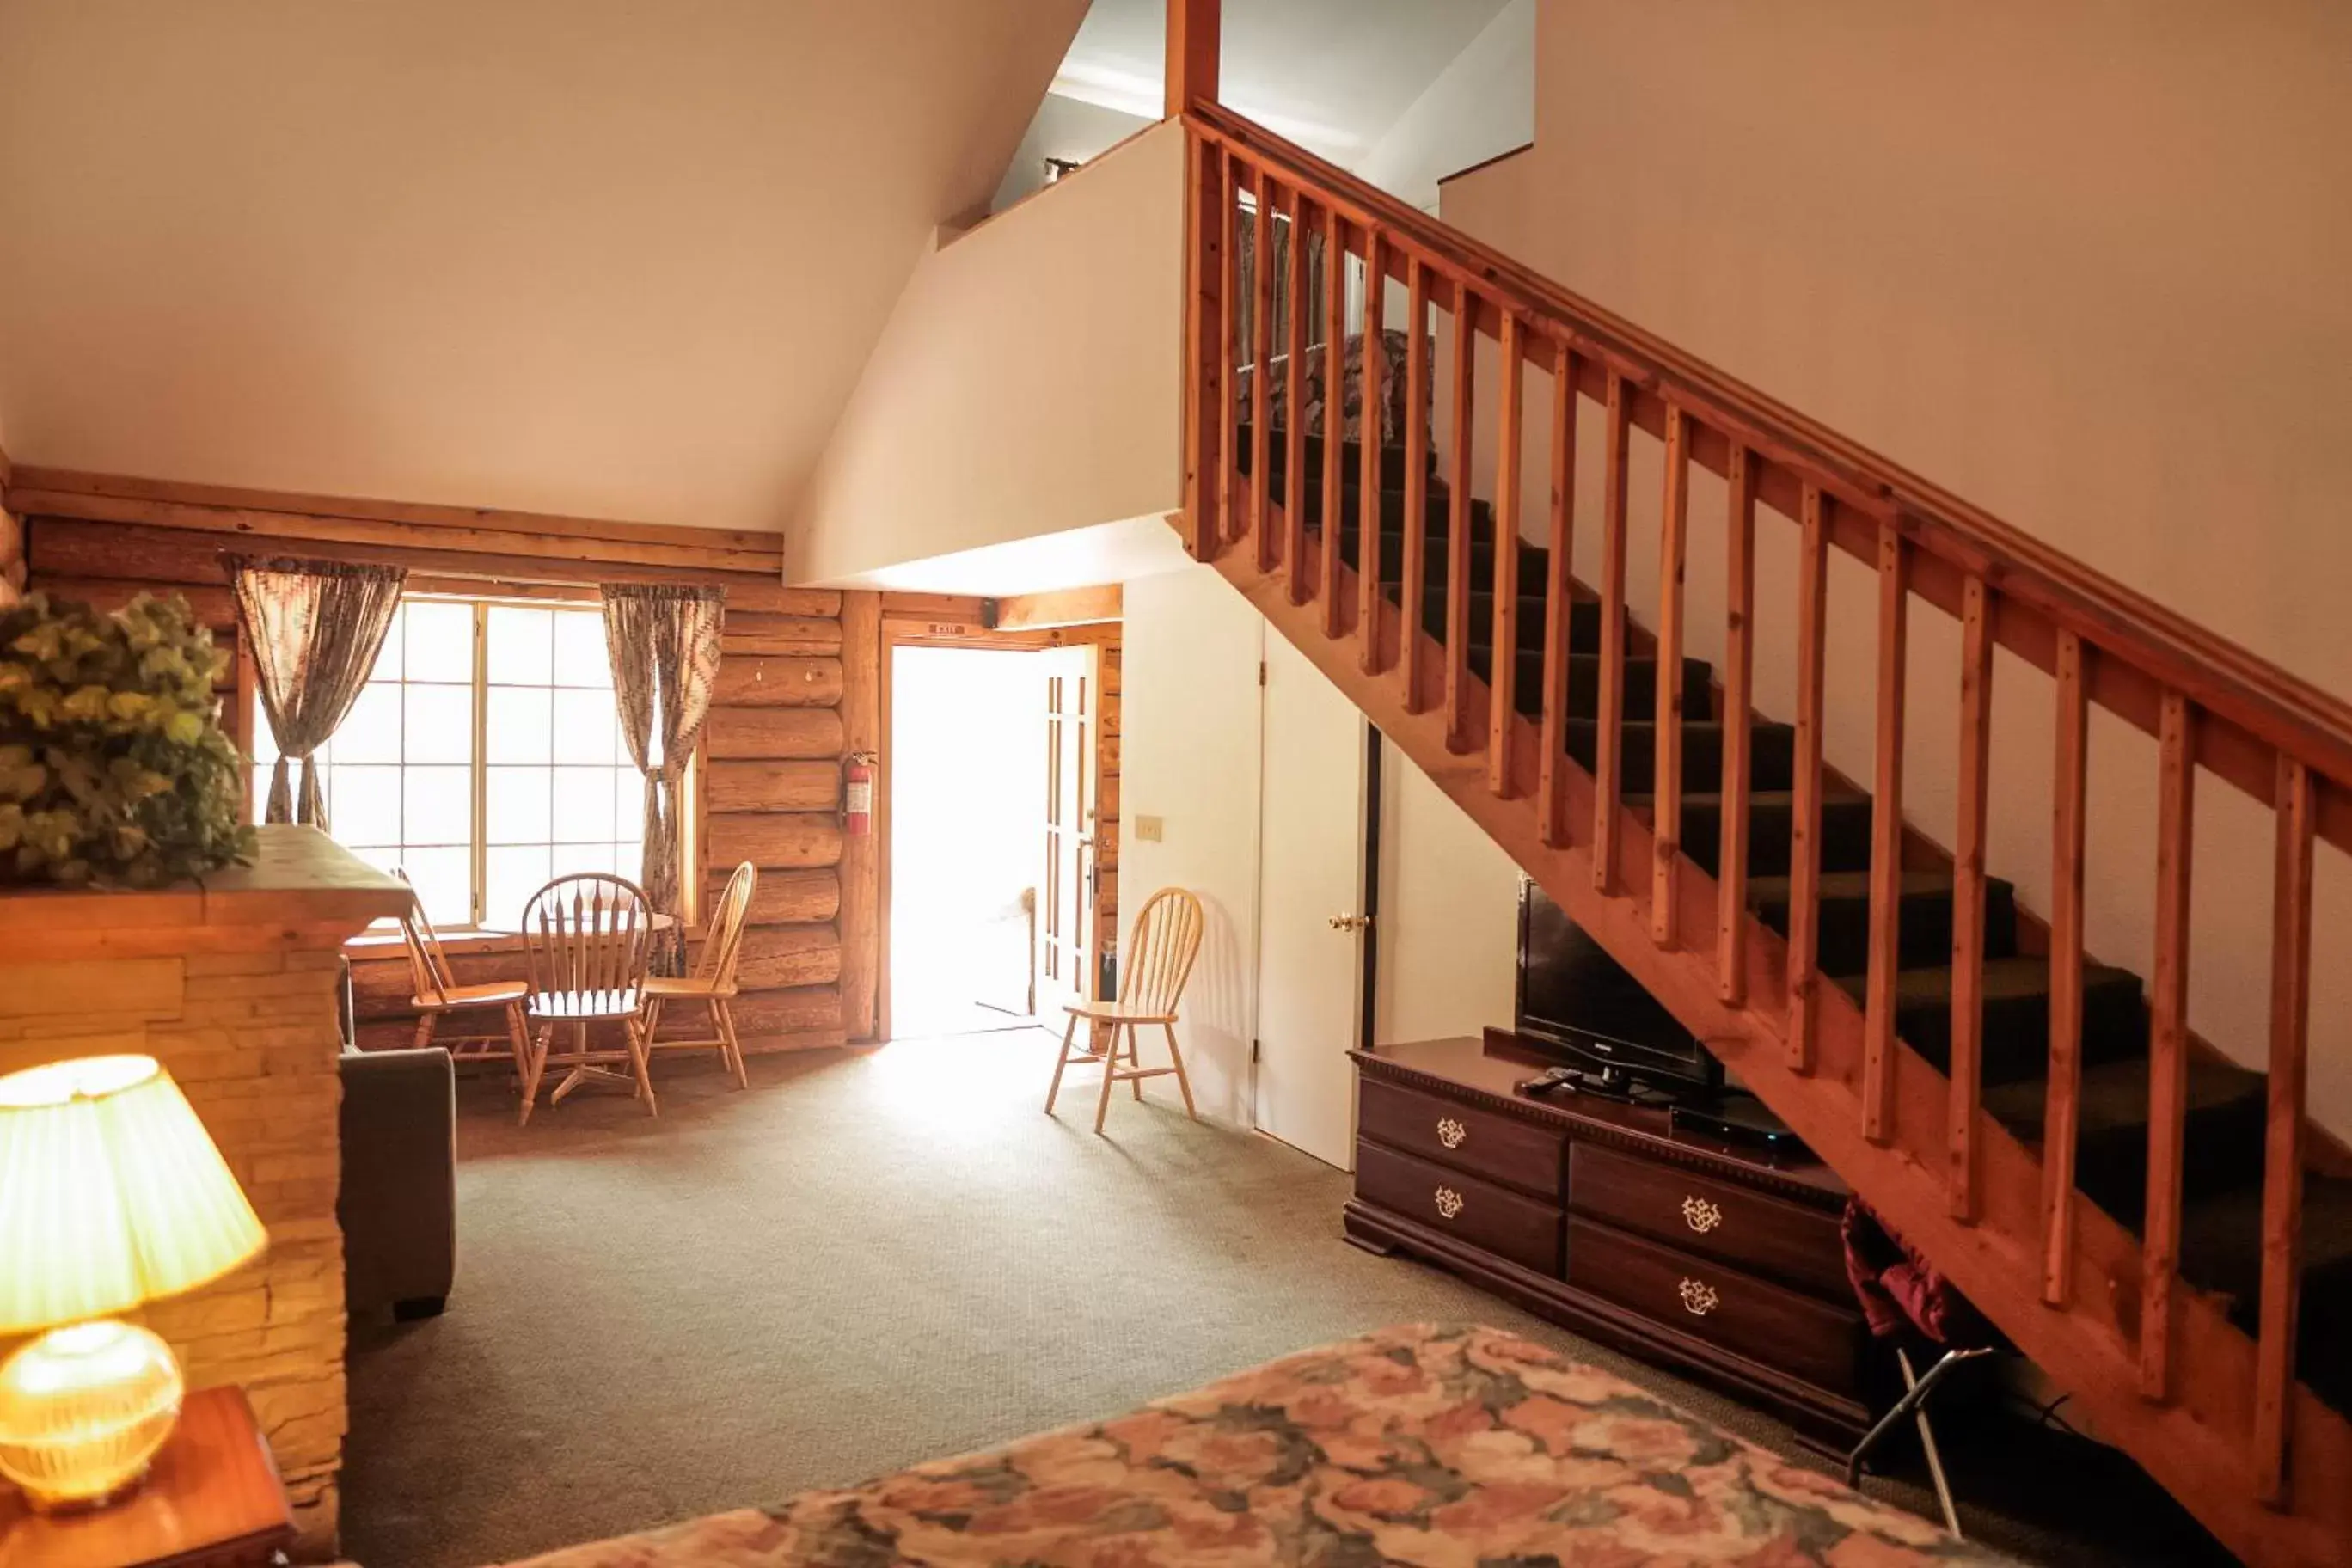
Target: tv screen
x: 1577, y: 999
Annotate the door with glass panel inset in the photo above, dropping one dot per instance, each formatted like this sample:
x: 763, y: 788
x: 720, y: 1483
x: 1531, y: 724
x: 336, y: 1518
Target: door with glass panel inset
x: 483, y: 756
x: 1065, y: 902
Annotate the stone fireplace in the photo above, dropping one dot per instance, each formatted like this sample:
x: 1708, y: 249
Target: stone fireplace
x: 233, y: 986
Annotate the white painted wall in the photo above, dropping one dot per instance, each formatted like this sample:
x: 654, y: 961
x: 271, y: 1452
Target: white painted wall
x: 1481, y: 106
x: 1066, y: 128
x: 1027, y: 383
x: 1190, y: 756
x: 2083, y: 264
x: 1449, y: 914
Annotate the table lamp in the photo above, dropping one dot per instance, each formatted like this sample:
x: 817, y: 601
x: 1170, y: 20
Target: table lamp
x: 111, y: 1196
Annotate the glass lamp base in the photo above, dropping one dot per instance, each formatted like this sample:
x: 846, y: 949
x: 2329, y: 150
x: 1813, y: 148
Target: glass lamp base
x: 82, y: 1411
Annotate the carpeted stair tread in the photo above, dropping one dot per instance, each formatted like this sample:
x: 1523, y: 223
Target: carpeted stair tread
x: 1844, y: 838
x: 1924, y: 929
x: 2222, y: 1252
x: 2222, y: 1140
x: 1585, y: 682
x: 2016, y: 1015
x: 1771, y: 755
x: 1352, y: 455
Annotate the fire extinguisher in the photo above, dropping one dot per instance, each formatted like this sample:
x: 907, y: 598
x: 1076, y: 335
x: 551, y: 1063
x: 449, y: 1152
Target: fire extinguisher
x: 857, y: 795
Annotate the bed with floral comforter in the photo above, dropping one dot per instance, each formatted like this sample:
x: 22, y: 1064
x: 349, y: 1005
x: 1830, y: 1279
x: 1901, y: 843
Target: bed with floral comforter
x: 1445, y: 1447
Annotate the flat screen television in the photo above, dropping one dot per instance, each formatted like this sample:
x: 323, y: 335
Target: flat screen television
x: 1578, y: 1003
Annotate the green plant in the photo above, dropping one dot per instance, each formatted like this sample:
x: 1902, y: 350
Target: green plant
x: 113, y: 770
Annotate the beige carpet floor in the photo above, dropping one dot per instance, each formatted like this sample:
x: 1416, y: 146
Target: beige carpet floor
x: 873, y: 1258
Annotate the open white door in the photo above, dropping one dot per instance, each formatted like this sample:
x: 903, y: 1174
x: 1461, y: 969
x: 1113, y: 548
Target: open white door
x: 1066, y: 898
x: 1310, y: 868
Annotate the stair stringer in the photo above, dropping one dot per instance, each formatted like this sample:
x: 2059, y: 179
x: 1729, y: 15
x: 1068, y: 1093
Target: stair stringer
x: 2198, y: 1445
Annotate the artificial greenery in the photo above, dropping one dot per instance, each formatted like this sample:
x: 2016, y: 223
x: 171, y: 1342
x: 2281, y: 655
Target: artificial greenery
x: 113, y: 769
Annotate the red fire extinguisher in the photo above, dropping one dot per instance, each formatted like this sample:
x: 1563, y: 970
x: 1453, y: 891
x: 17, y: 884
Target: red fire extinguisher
x: 857, y: 795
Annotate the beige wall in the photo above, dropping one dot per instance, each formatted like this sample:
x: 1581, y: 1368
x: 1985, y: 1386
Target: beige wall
x: 1448, y: 918
x: 1027, y: 383
x: 2083, y: 264
x: 1189, y: 745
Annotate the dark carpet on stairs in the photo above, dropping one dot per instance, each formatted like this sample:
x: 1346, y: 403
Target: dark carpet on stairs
x: 872, y: 1258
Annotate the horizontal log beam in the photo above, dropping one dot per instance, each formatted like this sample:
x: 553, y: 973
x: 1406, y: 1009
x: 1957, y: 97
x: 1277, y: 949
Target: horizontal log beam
x: 783, y: 897
x: 772, y: 787
x: 753, y: 680
x: 773, y: 732
x: 67, y: 546
x: 65, y: 492
x: 776, y: 956
x: 788, y: 840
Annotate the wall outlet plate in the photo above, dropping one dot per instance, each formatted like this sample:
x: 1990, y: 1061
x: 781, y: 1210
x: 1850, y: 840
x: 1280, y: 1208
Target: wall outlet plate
x: 1148, y: 829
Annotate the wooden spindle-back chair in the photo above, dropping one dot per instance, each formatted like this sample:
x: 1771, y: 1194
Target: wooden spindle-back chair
x: 435, y: 992
x: 712, y: 981
x: 589, y: 940
x: 1160, y: 951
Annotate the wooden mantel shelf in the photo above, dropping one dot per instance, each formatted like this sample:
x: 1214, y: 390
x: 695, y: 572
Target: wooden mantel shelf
x: 301, y: 883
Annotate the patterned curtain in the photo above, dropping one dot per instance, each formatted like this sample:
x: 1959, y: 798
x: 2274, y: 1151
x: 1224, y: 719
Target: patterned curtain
x: 314, y: 628
x: 664, y: 643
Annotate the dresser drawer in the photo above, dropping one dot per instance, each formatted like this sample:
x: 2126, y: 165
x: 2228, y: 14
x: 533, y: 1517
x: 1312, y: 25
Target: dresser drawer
x: 1781, y: 1329
x: 1764, y: 1235
x: 1501, y: 1148
x: 1489, y: 1217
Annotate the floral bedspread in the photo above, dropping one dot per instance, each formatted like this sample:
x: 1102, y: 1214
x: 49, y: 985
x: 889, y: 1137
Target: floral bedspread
x: 1448, y: 1447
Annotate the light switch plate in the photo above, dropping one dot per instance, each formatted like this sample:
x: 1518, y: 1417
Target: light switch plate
x: 1149, y: 828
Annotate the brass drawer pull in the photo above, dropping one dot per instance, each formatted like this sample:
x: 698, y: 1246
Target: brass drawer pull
x: 1449, y: 1202
x: 1699, y: 1297
x: 1452, y: 1134
x: 1701, y: 1216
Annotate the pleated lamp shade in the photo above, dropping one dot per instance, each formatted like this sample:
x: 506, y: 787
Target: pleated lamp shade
x: 111, y: 1194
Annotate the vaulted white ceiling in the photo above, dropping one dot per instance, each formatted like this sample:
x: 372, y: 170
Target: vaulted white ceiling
x: 593, y: 257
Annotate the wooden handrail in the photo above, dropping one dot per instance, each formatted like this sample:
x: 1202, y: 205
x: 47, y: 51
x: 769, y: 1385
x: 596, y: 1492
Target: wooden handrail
x: 2232, y: 683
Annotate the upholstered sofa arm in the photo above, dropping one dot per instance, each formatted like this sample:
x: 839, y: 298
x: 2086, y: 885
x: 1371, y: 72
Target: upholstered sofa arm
x: 399, y: 1203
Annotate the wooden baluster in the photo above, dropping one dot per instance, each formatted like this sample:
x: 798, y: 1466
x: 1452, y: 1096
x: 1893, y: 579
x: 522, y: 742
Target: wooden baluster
x: 1805, y: 811
x: 2167, y: 1066
x: 1738, y: 683
x: 1202, y: 418
x: 1666, y: 743
x: 1457, y: 523
x: 2283, y: 1151
x: 1335, y: 415
x: 1503, y: 682
x: 1416, y: 478
x: 1269, y: 547
x: 1551, y: 771
x: 1968, y: 898
x: 1231, y: 517
x: 2064, y: 1108
x: 1609, y: 715
x: 1886, y: 839
x: 1368, y: 478
x: 1294, y: 405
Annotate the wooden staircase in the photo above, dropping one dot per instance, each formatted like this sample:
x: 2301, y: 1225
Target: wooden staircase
x: 2131, y: 1209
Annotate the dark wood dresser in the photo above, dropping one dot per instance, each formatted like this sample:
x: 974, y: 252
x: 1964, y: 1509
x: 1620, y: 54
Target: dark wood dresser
x: 1698, y: 1256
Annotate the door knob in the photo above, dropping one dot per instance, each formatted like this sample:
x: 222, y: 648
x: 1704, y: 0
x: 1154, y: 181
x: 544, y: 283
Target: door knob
x: 1350, y: 923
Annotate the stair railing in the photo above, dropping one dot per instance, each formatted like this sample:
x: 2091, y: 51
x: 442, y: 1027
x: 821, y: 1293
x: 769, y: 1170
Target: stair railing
x: 2213, y: 707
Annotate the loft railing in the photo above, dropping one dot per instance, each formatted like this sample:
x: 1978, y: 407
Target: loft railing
x: 2213, y: 708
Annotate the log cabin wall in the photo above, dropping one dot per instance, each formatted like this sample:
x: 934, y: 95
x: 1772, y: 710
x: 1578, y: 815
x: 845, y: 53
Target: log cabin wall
x: 771, y: 754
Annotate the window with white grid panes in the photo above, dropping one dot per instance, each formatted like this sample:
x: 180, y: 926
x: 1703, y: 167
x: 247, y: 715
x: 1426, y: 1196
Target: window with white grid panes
x: 483, y: 757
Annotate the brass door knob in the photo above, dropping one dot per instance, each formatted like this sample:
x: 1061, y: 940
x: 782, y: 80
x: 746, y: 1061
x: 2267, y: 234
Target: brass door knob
x: 1350, y: 923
